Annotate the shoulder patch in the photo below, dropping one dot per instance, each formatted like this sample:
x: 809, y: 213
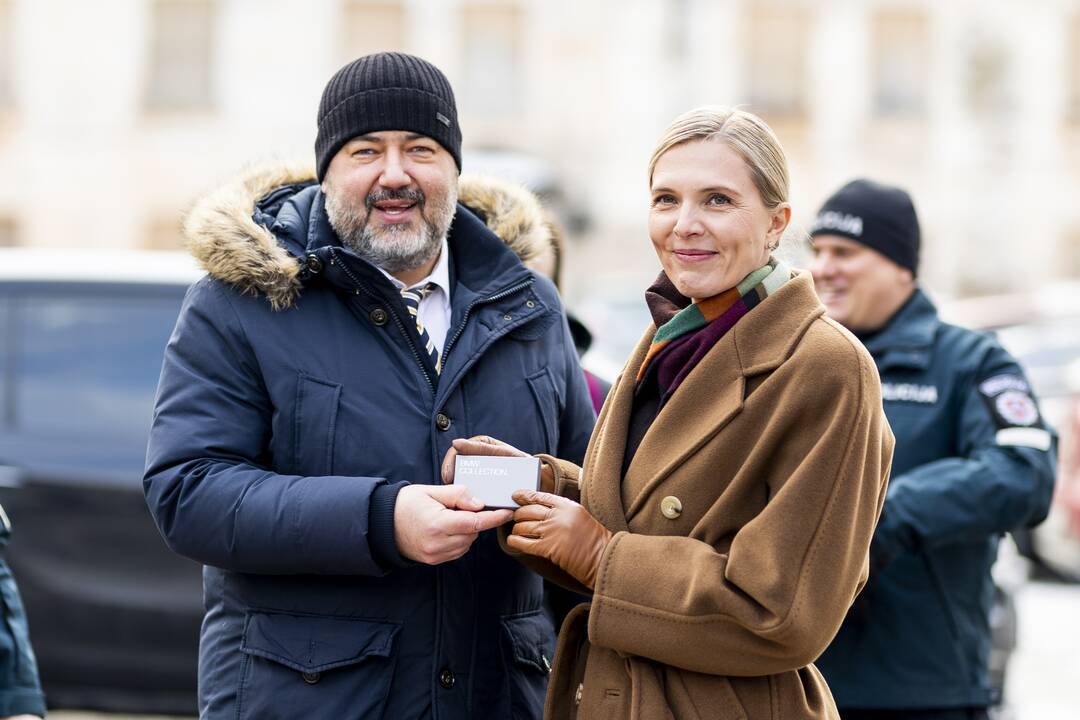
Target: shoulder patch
x: 1009, y: 399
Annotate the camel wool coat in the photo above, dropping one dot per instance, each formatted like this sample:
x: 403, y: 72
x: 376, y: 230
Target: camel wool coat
x: 741, y: 528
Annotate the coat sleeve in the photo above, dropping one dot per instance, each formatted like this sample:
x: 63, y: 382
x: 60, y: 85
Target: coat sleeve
x: 774, y: 600
x: 1001, y: 480
x: 567, y: 484
x: 208, y: 481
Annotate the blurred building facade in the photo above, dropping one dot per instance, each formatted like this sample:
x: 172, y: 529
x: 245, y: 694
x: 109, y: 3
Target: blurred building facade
x: 115, y: 114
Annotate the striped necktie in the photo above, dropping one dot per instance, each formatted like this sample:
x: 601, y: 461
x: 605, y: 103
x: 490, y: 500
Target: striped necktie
x: 412, y: 298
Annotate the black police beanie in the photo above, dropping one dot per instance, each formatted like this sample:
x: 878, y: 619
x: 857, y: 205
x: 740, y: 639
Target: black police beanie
x: 386, y: 91
x: 878, y: 216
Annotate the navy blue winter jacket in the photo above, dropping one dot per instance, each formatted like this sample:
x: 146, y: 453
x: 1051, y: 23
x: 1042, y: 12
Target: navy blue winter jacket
x: 280, y: 440
x: 973, y: 460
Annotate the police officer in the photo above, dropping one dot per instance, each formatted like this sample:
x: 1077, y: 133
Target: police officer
x: 20, y: 690
x: 973, y: 460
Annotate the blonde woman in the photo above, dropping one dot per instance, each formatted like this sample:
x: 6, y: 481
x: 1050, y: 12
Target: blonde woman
x: 722, y: 517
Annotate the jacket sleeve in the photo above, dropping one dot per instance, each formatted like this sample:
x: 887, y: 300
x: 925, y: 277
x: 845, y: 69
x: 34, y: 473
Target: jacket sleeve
x: 1001, y: 480
x: 578, y: 417
x: 208, y: 481
x: 20, y: 689
x: 775, y: 598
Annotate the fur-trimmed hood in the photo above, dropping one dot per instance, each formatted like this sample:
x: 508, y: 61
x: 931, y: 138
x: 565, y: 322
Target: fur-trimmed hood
x: 221, y: 233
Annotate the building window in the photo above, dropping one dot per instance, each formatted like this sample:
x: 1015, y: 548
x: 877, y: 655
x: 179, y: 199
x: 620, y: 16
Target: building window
x: 9, y: 232
x: 181, y: 55
x: 776, y: 60
x: 369, y: 27
x: 492, y: 59
x: 7, y: 60
x: 901, y: 42
x: 1072, y: 71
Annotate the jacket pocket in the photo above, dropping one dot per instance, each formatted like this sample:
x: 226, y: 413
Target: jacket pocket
x: 549, y: 407
x: 529, y: 645
x: 315, y: 424
x: 295, y: 663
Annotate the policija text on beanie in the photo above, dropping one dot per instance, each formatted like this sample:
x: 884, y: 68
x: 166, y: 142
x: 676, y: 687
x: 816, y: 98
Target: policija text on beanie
x: 386, y: 91
x: 879, y: 216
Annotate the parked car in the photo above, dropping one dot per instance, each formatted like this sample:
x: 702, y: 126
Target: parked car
x: 114, y: 615
x: 1042, y: 330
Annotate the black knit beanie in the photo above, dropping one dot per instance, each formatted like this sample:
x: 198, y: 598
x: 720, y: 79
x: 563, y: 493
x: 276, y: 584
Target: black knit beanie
x: 879, y: 216
x: 386, y: 91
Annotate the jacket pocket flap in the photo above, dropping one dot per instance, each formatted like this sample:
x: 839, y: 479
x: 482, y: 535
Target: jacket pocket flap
x: 312, y: 643
x: 531, y: 640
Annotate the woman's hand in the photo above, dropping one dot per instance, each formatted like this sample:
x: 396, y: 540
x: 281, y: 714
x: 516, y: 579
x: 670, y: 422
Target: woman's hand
x: 559, y: 530
x: 487, y: 445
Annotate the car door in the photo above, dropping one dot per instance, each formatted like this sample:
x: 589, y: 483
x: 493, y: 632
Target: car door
x: 114, y: 615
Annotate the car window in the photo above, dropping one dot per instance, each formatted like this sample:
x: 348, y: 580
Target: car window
x: 87, y: 364
x: 6, y: 407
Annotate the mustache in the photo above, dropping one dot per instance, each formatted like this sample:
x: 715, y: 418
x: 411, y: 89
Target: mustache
x: 406, y: 194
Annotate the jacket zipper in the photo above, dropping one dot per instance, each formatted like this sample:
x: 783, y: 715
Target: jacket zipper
x: 461, y: 326
x: 465, y: 318
x: 397, y: 320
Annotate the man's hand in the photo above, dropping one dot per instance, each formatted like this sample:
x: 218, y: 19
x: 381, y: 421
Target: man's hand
x: 561, y: 531
x: 434, y: 524
x: 487, y: 445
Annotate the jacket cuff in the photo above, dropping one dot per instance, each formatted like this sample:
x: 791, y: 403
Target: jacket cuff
x: 22, y: 702
x: 384, y: 549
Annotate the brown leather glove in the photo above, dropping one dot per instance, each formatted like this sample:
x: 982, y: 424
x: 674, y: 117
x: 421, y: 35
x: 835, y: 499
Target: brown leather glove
x: 561, y: 531
x: 487, y: 445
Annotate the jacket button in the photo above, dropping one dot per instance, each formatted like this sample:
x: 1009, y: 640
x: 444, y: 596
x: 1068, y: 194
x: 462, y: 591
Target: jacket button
x: 314, y: 264
x: 671, y: 506
x: 578, y: 693
x: 446, y: 678
x: 378, y: 316
x: 311, y: 677
x: 442, y: 421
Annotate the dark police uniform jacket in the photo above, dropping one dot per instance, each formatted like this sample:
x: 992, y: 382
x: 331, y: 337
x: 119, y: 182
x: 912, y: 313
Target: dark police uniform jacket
x: 973, y: 460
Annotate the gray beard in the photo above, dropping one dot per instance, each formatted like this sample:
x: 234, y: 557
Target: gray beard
x: 394, y: 248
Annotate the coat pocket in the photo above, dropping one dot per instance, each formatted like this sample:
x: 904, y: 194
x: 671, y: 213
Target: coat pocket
x: 529, y: 645
x: 296, y: 665
x: 315, y: 425
x: 549, y: 407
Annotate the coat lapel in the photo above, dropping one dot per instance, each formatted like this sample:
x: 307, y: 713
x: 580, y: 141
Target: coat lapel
x: 706, y: 401
x: 713, y: 393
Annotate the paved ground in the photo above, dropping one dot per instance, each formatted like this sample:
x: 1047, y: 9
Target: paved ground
x: 1044, y: 676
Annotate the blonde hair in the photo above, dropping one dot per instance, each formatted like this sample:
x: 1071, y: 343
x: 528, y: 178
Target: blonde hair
x: 743, y: 132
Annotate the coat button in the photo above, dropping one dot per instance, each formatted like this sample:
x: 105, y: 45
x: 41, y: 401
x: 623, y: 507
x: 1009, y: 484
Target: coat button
x: 442, y: 421
x: 446, y: 678
x: 314, y: 264
x: 378, y: 316
x: 671, y: 506
x: 311, y: 677
x: 578, y: 693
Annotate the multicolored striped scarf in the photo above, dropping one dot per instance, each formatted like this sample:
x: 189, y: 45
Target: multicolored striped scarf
x: 685, y: 335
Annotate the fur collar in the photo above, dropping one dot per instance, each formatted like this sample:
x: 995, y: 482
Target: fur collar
x: 220, y: 232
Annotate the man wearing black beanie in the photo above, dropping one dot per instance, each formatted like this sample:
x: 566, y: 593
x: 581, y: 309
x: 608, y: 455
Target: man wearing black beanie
x: 353, y: 323
x: 973, y: 460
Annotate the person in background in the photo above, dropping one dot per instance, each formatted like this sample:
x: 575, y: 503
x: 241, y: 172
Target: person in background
x: 973, y: 460
x: 353, y: 323
x: 549, y: 263
x: 20, y: 689
x: 723, y: 515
